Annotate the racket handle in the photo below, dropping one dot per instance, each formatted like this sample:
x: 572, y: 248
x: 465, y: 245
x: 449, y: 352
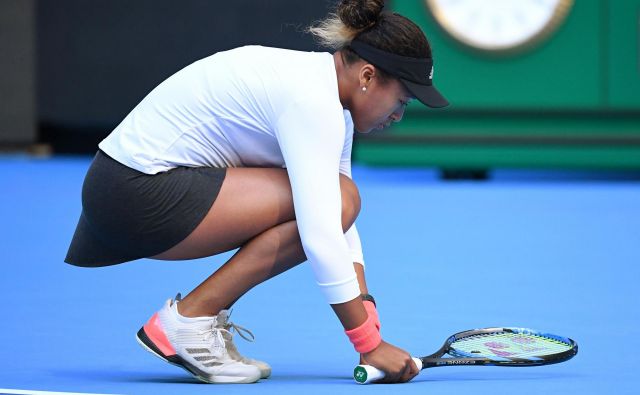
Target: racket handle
x: 365, y: 374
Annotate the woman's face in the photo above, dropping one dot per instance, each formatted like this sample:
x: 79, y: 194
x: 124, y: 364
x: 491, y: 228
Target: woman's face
x: 382, y: 103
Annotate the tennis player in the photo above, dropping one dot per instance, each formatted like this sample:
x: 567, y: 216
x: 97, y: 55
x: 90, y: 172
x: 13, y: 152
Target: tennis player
x: 250, y: 149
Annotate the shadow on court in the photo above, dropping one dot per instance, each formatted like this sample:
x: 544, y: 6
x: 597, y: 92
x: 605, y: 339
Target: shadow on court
x: 123, y: 376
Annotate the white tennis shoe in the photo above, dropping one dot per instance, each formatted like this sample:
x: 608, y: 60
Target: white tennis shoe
x: 227, y: 333
x: 197, y: 345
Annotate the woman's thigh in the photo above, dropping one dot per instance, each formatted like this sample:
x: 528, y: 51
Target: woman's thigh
x: 250, y: 201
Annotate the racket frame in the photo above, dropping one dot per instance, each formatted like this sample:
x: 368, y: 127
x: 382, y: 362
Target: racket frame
x: 436, y: 360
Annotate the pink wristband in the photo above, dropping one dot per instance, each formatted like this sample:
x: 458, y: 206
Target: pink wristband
x: 366, y: 337
x: 372, y: 312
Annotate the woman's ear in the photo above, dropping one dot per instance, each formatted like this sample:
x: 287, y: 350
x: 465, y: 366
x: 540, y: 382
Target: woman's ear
x: 367, y: 73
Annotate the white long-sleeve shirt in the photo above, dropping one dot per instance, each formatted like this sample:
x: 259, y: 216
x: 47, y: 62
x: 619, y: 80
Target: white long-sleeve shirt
x: 258, y: 107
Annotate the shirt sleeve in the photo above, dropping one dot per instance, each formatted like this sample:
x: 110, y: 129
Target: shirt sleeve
x: 355, y: 247
x: 311, y: 137
x: 345, y: 158
x: 352, y: 236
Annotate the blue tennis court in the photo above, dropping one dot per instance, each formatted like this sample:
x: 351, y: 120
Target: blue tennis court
x: 558, y: 252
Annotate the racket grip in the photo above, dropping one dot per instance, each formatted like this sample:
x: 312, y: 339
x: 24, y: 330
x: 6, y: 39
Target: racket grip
x: 365, y: 374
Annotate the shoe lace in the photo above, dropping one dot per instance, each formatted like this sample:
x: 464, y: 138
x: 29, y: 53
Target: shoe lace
x: 244, y: 333
x: 215, y: 336
x: 229, y: 327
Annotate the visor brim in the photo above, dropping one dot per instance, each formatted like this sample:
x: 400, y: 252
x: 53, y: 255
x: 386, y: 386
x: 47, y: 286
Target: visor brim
x: 426, y: 94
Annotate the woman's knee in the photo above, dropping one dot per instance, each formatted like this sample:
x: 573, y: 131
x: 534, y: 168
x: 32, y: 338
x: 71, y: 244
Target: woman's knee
x: 350, y: 202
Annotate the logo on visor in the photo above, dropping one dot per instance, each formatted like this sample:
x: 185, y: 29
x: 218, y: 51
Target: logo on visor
x: 431, y: 73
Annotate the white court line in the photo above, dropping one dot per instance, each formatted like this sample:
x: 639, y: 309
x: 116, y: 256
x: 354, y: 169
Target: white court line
x: 27, y: 392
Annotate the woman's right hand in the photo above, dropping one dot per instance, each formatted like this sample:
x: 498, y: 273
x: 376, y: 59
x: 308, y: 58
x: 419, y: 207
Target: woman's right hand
x: 396, y: 363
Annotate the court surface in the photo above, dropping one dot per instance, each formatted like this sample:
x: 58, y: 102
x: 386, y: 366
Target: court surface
x: 554, y: 252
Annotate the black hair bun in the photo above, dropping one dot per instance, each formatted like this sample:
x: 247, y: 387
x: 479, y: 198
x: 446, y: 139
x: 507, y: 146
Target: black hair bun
x: 360, y: 14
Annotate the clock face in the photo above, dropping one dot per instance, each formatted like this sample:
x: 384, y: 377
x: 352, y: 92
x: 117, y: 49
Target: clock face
x: 499, y: 25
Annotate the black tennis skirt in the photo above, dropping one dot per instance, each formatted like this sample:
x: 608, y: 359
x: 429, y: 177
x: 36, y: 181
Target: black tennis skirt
x: 128, y: 215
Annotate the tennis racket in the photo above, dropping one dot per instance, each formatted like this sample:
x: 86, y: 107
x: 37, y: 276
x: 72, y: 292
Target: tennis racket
x: 489, y: 347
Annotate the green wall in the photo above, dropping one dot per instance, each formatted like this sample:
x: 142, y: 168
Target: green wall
x: 623, y: 54
x: 572, y: 101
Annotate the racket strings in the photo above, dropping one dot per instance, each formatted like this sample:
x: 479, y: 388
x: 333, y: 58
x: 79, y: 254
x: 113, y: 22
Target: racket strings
x: 508, y: 345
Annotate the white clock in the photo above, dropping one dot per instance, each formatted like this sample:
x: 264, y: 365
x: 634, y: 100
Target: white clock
x: 499, y: 25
